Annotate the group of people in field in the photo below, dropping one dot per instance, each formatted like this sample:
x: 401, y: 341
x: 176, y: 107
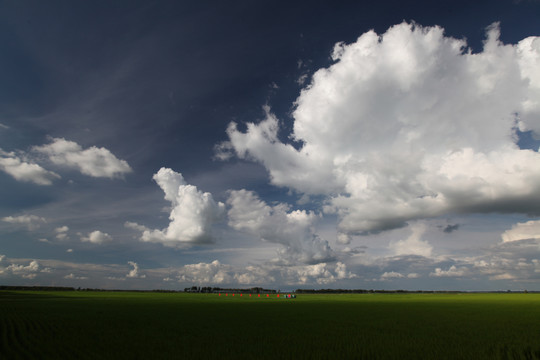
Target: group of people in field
x: 286, y: 296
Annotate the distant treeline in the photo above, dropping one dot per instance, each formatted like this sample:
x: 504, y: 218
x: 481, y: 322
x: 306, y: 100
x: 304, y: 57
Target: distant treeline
x: 66, y: 288
x: 364, y: 291
x: 37, y: 288
x: 193, y: 289
x: 257, y: 290
x: 208, y: 289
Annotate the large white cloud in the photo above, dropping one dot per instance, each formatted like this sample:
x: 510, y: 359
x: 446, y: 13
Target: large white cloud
x: 407, y: 125
x: 529, y: 58
x: 94, y: 161
x: 278, y: 224
x: 22, y: 170
x: 522, y: 231
x: 192, y: 216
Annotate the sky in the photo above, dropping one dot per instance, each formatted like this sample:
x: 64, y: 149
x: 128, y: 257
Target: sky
x: 284, y: 144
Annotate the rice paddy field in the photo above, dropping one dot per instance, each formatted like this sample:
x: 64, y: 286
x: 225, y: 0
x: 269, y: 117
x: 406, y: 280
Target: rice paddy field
x: 125, y: 325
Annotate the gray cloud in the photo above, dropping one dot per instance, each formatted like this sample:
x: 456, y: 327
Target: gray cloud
x: 450, y: 228
x: 279, y: 224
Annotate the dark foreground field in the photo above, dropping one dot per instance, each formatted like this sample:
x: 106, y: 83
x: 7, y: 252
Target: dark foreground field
x: 107, y: 325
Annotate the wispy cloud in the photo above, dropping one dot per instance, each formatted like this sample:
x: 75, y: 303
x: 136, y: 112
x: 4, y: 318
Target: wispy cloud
x: 31, y: 221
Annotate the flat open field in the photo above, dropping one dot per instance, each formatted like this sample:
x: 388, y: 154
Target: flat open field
x: 120, y: 325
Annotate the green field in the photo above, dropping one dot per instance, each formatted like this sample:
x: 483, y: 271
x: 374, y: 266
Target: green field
x: 121, y: 325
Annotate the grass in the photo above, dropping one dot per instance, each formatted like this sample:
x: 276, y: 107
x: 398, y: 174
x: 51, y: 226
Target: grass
x: 120, y: 325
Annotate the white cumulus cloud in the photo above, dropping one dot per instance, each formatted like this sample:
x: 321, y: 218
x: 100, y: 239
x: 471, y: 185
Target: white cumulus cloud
x: 24, y: 171
x: 278, y: 224
x: 413, y: 245
x: 321, y: 273
x: 93, y: 161
x: 61, y: 229
x: 134, y: 273
x: 215, y: 273
x: 453, y: 271
x: 406, y: 125
x: 522, y: 231
x: 254, y: 275
x: 61, y: 232
x: 342, y: 273
x: 29, y: 271
x: 205, y: 273
x: 192, y: 216
x: 97, y: 237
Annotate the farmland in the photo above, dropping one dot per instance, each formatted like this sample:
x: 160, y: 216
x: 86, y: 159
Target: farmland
x: 132, y: 325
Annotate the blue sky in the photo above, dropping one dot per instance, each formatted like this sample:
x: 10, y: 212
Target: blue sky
x: 307, y: 144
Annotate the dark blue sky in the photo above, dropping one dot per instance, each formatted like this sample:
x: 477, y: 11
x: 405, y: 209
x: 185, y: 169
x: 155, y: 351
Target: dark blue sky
x: 155, y: 84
